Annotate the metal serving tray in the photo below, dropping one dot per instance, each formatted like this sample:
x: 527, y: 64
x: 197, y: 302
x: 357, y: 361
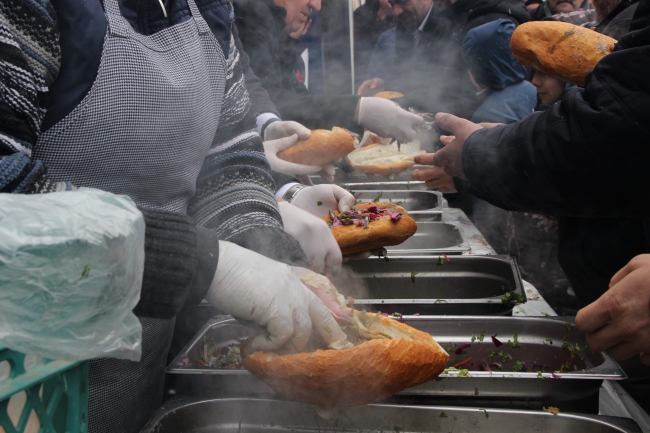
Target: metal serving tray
x: 421, y: 205
x: 341, y: 176
x: 432, y: 238
x: 409, y: 185
x: 241, y: 415
x: 540, y: 341
x: 469, y: 285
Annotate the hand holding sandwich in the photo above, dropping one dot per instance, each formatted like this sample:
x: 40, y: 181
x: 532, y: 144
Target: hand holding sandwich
x: 388, y: 119
x: 314, y: 237
x: 281, y: 135
x: 318, y: 200
x: 253, y: 287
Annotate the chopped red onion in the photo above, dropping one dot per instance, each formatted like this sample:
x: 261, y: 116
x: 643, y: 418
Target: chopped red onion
x: 496, y: 341
x: 395, y: 216
x: 461, y: 348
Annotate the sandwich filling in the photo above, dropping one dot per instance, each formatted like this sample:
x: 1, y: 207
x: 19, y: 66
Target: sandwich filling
x: 357, y: 218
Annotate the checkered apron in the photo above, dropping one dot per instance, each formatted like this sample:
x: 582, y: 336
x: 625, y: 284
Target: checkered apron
x: 142, y: 130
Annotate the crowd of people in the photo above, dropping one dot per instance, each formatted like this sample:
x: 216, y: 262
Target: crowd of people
x: 183, y: 105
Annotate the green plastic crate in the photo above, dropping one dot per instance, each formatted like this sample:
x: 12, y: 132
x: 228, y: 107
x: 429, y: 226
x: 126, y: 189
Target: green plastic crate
x: 49, y: 397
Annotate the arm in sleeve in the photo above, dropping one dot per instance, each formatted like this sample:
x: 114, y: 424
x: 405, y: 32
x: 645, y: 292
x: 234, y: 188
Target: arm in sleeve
x: 586, y: 156
x: 24, y: 80
x: 259, y: 97
x: 235, y: 192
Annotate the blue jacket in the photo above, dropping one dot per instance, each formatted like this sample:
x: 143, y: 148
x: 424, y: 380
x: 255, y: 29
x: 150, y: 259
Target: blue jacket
x: 507, y: 98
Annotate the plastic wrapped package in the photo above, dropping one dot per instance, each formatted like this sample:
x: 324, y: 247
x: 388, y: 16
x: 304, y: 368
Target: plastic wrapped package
x: 71, y: 267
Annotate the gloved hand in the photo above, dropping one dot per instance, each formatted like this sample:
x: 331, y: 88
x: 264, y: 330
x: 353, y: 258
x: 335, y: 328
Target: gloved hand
x: 252, y: 287
x: 274, y: 146
x: 318, y: 200
x: 282, y: 129
x: 388, y: 119
x: 314, y: 236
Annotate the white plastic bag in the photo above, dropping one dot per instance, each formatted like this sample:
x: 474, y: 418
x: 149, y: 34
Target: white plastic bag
x: 71, y: 268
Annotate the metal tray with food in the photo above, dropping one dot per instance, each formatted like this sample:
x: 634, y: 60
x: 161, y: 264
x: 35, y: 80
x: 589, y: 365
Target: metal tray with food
x: 421, y: 205
x: 433, y: 285
x: 244, y: 415
x: 531, y: 362
x: 432, y: 238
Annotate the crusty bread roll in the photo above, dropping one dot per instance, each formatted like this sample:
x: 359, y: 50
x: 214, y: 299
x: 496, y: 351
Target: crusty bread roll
x: 560, y: 50
x: 384, y: 159
x: 388, y: 94
x: 321, y: 147
x: 382, y: 232
x: 390, y: 357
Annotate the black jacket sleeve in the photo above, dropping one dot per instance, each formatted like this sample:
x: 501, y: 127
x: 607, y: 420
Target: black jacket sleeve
x: 586, y: 156
x: 262, y: 42
x: 260, y: 100
x: 179, y: 265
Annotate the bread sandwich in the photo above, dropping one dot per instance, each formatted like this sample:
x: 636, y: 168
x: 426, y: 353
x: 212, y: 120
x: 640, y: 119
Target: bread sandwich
x: 370, y: 226
x: 321, y: 147
x: 384, y: 159
x: 560, y: 50
x: 386, y: 357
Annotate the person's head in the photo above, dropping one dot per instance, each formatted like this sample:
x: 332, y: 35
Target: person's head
x: 486, y: 50
x: 298, y: 12
x: 558, y: 6
x: 411, y: 13
x: 549, y: 89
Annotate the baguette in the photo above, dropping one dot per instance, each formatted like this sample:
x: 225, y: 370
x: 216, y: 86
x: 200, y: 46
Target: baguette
x: 388, y: 358
x: 384, y: 231
x: 321, y: 147
x: 384, y: 159
x: 560, y: 50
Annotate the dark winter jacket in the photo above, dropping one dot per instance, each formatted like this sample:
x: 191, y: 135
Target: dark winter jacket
x: 585, y: 157
x: 261, y: 24
x: 618, y: 21
x: 507, y: 97
x: 367, y: 28
x: 468, y: 14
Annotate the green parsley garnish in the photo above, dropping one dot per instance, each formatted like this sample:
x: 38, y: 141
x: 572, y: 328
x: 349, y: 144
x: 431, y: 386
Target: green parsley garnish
x: 443, y: 414
x: 319, y: 203
x: 86, y: 271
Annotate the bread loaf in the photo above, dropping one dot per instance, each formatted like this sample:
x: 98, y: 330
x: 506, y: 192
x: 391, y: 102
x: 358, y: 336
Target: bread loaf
x: 384, y: 159
x: 321, y: 147
x: 382, y: 232
x: 388, y: 358
x: 388, y: 94
x: 560, y: 50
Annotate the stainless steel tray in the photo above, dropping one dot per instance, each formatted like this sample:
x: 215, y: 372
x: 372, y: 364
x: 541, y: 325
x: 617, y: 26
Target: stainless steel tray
x: 471, y: 285
x: 432, y: 238
x: 409, y: 185
x: 540, y: 341
x: 240, y: 415
x: 341, y: 176
x: 421, y: 205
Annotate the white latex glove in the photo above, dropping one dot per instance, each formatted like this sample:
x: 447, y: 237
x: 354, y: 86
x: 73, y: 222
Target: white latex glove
x: 275, y: 146
x: 388, y: 119
x: 318, y: 200
x: 282, y: 129
x: 314, y: 236
x: 253, y: 287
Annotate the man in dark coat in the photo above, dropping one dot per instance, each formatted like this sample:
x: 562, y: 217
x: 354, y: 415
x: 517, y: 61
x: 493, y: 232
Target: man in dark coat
x: 584, y: 158
x: 371, y: 19
x: 264, y: 27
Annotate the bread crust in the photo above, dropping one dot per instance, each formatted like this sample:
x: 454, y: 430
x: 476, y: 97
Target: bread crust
x: 321, y: 147
x: 388, y: 94
x: 369, y: 372
x: 380, y: 233
x: 560, y: 50
x: 379, y: 169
